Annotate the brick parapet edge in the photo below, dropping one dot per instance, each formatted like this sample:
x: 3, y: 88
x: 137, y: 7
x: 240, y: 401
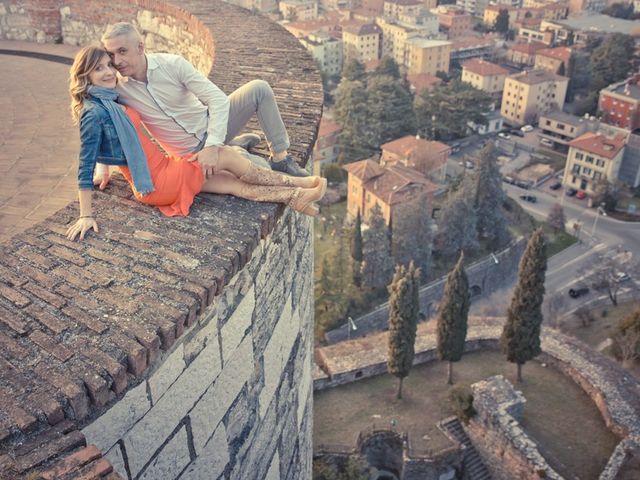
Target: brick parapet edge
x: 72, y: 342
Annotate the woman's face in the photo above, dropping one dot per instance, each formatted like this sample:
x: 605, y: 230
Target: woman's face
x: 104, y: 75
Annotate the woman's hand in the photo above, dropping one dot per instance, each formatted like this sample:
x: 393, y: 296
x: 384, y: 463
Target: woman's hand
x: 101, y: 177
x: 82, y: 226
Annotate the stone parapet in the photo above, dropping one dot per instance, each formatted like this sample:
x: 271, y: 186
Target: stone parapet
x: 172, y: 346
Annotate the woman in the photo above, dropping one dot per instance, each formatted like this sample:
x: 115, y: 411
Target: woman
x: 113, y: 135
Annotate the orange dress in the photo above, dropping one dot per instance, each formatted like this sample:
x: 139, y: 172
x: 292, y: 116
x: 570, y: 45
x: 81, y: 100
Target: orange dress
x: 176, y: 181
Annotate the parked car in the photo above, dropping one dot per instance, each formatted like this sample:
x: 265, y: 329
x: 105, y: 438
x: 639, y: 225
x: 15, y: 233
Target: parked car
x: 570, y: 192
x: 529, y: 198
x: 578, y: 291
x: 504, y: 135
x: 522, y: 184
x: 546, y: 142
x: 527, y: 128
x: 517, y: 133
x: 508, y: 179
x: 620, y: 277
x: 555, y: 186
x: 580, y: 195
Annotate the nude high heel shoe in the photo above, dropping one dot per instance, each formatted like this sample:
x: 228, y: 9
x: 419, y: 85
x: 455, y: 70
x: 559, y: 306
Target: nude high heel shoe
x: 300, y: 199
x: 256, y: 175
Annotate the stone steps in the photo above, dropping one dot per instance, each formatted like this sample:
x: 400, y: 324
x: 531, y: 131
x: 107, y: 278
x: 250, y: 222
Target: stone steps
x: 474, y: 467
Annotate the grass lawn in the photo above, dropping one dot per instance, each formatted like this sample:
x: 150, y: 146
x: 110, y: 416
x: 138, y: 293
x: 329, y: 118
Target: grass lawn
x: 557, y: 413
x: 602, y: 327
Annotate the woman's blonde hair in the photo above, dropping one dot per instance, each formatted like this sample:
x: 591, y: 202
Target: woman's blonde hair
x: 84, y: 63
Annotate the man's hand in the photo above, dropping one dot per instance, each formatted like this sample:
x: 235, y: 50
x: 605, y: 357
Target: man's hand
x: 208, y: 158
x: 82, y: 226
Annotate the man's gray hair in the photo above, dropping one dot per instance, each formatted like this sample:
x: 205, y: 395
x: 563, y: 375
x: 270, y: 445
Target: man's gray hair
x: 120, y: 28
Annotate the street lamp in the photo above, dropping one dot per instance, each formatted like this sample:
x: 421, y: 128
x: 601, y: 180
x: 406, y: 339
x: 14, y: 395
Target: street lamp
x: 599, y: 211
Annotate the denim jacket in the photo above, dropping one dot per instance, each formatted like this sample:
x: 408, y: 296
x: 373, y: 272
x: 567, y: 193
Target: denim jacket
x: 99, y: 142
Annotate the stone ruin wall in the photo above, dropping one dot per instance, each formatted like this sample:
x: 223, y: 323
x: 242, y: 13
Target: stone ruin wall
x: 166, y: 28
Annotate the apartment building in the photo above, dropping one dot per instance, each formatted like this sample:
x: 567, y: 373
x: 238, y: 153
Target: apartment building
x: 362, y: 42
x: 473, y: 7
x: 620, y: 104
x: 579, y: 6
x: 554, y: 60
x: 593, y: 157
x: 389, y: 188
x: 472, y: 47
x: 559, y: 128
x: 262, y: 6
x: 327, y: 51
x: 396, y: 8
x: 527, y: 35
x: 299, y: 10
x: 524, y: 54
x: 484, y: 75
x: 455, y: 22
x: 326, y: 149
x: 428, y: 56
x: 527, y: 95
x: 397, y: 32
x: 426, y: 156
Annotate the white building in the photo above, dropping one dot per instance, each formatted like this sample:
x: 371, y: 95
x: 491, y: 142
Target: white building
x: 299, y: 10
x: 326, y: 50
x: 397, y: 32
x: 474, y: 7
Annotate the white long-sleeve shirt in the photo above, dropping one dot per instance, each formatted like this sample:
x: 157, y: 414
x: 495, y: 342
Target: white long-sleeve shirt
x: 177, y: 104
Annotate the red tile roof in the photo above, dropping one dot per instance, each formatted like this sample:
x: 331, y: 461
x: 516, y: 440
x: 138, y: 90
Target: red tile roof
x: 559, y: 53
x: 599, y: 144
x: 399, y: 183
x: 405, y: 145
x: 423, y: 81
x: 327, y: 127
x: 530, y: 48
x: 484, y: 68
x: 364, y: 169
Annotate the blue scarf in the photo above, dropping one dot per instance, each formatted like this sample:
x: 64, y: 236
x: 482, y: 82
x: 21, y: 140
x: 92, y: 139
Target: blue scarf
x: 136, y: 159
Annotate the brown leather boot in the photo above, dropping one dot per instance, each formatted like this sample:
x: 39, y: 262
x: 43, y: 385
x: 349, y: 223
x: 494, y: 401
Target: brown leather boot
x: 256, y: 175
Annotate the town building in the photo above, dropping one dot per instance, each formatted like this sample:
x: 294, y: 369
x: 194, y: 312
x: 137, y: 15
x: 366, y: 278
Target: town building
x: 362, y: 42
x: 588, y: 25
x: 370, y: 184
x: 524, y: 54
x: 299, y: 10
x: 428, y: 56
x: 396, y: 8
x: 327, y: 51
x: 527, y: 95
x: 579, y: 6
x: 485, y: 76
x: 494, y: 124
x: 510, y: 3
x: 593, y: 157
x: 426, y: 156
x: 620, y: 104
x: 455, y: 22
x: 527, y: 35
x: 473, y: 7
x: 559, y: 128
x: 423, y: 81
x: 554, y: 60
x: 326, y: 149
x: 472, y: 47
x: 262, y: 6
x: 397, y: 32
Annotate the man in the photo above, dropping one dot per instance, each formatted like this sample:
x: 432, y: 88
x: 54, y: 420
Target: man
x: 187, y: 113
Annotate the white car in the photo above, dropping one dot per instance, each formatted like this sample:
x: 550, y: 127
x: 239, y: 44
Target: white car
x: 620, y: 277
x: 506, y: 136
x: 527, y: 129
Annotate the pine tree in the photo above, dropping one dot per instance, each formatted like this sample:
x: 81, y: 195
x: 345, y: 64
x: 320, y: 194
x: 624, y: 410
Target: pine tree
x: 351, y: 113
x: 326, y: 278
x: 502, y: 21
x: 412, y: 238
x: 353, y: 70
x: 377, y: 264
x: 388, y: 66
x: 520, y: 339
x: 453, y: 313
x: 457, y: 224
x: 403, y: 321
x: 390, y: 110
x: 556, y: 217
x: 489, y: 197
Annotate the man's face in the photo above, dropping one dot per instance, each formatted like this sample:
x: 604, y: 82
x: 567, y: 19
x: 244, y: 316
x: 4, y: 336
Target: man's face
x: 127, y: 54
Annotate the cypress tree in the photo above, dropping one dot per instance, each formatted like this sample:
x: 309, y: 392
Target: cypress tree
x: 452, y: 317
x: 520, y: 339
x: 356, y: 242
x: 326, y: 278
x: 489, y: 197
x: 377, y: 264
x: 403, y: 321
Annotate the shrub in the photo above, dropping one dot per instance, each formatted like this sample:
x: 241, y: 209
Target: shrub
x: 334, y: 173
x: 461, y: 402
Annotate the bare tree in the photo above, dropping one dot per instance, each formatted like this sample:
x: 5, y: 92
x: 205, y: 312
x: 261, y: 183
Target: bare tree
x: 611, y: 272
x: 553, y: 308
x: 628, y: 344
x: 584, y: 315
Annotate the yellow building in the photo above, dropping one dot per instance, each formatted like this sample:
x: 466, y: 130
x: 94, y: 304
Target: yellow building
x: 428, y: 56
x: 528, y: 94
x: 485, y: 76
x: 593, y: 157
x: 396, y: 34
x: 362, y: 42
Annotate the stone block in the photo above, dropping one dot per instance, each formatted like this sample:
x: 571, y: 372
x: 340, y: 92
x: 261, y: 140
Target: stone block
x: 142, y: 441
x: 111, y: 426
x: 232, y: 333
x: 212, y: 460
x: 274, y: 469
x: 114, y: 455
x: 171, y: 460
x: 305, y: 400
x: 168, y: 372
x: 276, y: 353
x: 217, y: 400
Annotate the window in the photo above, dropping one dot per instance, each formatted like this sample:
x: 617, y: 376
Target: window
x: 575, y: 169
x: 600, y: 162
x: 597, y: 176
x: 579, y: 156
x: 589, y: 159
x: 586, y: 171
x: 560, y: 126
